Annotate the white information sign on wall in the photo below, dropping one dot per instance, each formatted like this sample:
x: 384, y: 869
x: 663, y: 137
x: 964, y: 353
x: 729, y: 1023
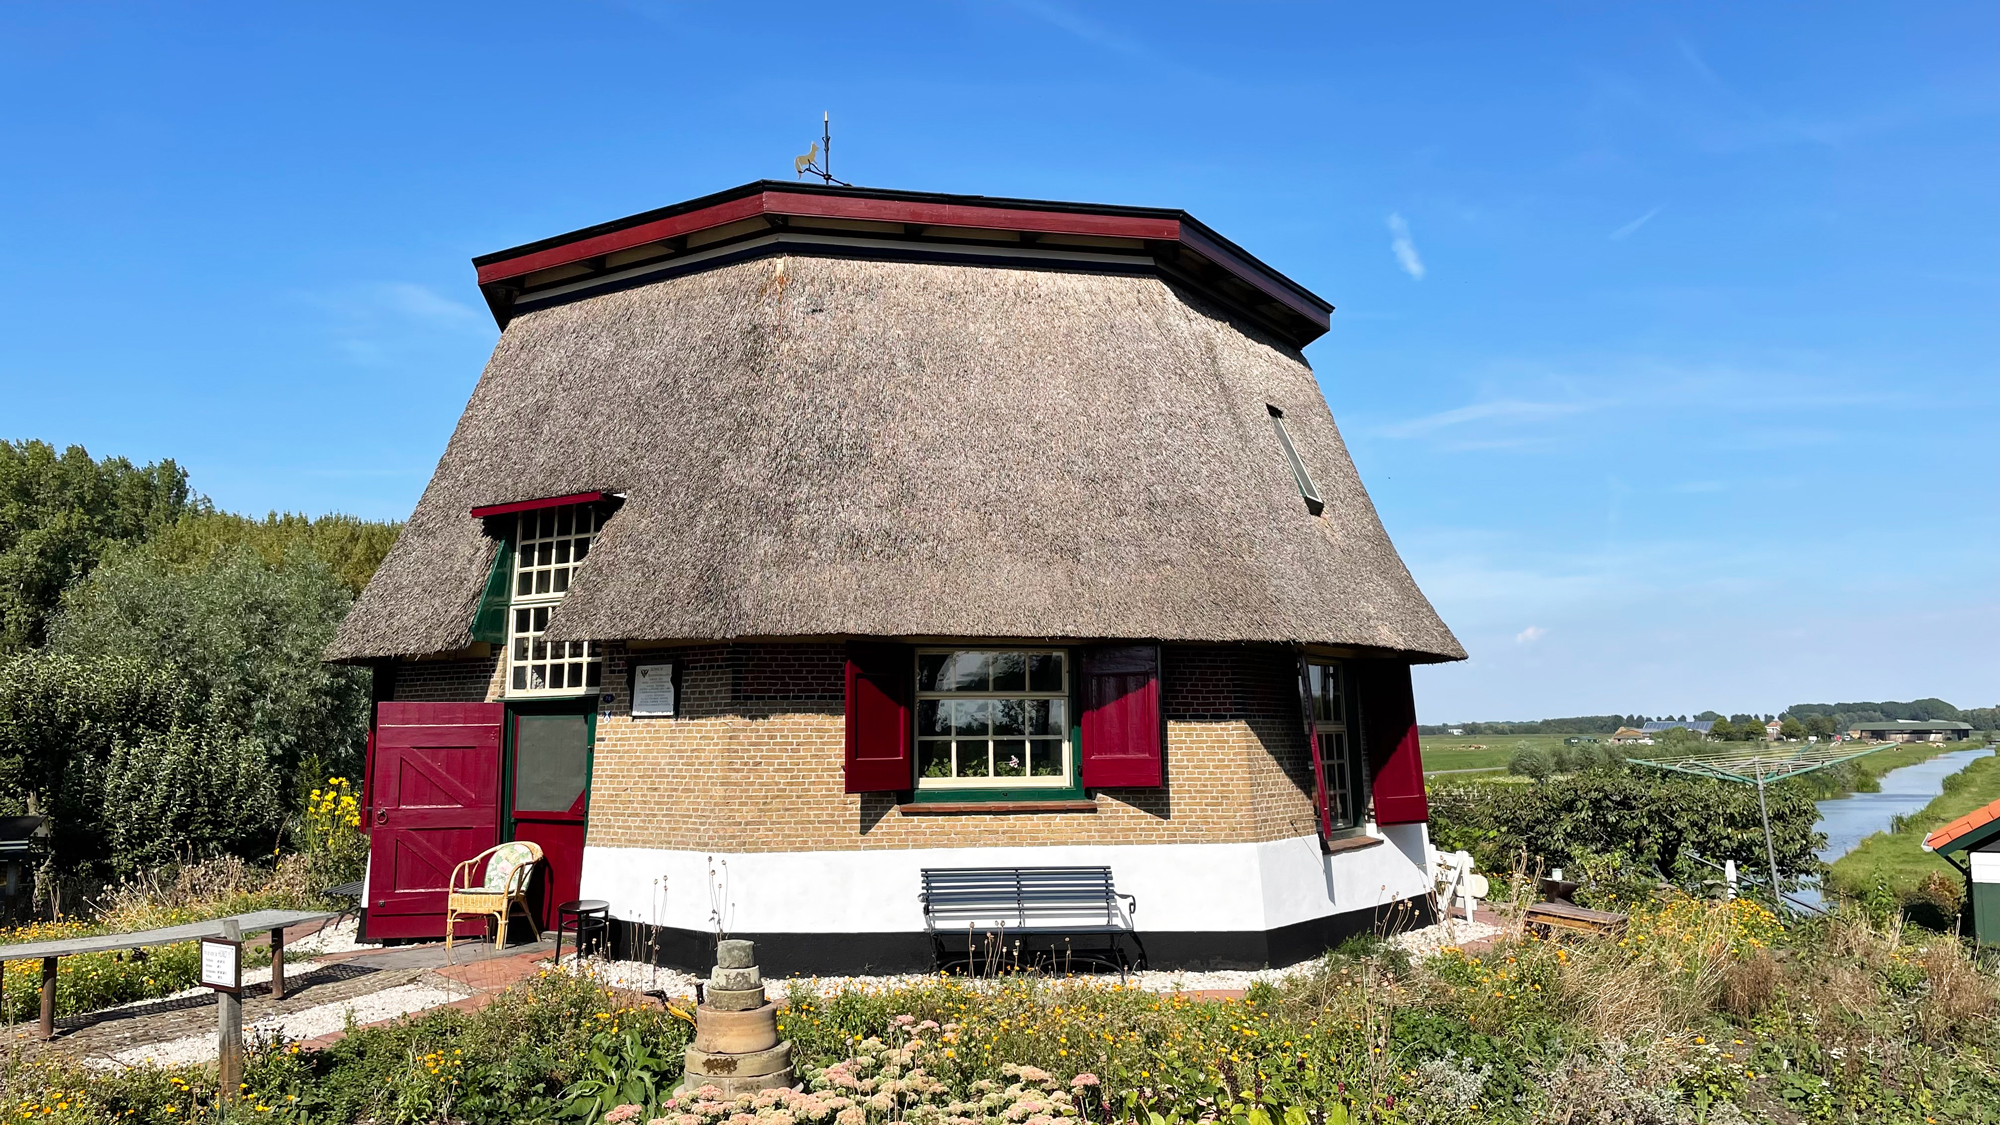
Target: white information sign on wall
x: 653, y: 690
x: 222, y: 964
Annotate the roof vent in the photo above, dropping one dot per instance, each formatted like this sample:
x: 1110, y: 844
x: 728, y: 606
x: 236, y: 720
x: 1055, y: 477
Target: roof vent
x: 1307, y: 488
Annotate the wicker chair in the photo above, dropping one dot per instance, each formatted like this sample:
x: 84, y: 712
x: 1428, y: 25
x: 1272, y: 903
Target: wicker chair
x: 503, y: 888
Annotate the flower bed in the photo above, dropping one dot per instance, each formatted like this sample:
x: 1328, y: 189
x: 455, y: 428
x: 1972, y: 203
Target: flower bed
x: 1704, y: 1013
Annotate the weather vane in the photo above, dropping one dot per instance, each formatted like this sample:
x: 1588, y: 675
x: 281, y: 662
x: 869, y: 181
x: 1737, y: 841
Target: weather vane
x: 819, y: 158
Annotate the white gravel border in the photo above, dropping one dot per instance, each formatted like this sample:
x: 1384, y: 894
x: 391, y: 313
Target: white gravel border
x: 307, y: 1023
x: 638, y: 976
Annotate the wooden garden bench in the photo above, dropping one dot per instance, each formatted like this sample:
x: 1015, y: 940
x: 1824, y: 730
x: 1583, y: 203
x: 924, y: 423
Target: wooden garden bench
x: 1550, y: 916
x: 48, y: 951
x: 985, y: 904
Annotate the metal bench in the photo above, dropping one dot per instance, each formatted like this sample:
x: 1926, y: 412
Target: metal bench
x: 987, y: 905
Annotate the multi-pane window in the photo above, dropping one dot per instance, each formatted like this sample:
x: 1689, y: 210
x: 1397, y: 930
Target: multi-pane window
x: 549, y: 546
x: 1329, y: 715
x: 992, y: 718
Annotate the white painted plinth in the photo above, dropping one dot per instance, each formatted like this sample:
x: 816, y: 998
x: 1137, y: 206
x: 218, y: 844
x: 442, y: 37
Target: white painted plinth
x: 1179, y: 887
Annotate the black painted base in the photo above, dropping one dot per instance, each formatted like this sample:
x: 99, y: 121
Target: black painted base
x: 795, y: 954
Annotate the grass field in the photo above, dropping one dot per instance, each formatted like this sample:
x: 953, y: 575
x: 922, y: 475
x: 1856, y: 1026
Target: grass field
x: 1463, y: 753
x: 1897, y: 859
x: 1444, y: 753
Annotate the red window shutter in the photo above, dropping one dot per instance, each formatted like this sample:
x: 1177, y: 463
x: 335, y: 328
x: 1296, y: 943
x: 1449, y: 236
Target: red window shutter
x: 1122, y: 729
x: 879, y: 679
x: 1389, y: 730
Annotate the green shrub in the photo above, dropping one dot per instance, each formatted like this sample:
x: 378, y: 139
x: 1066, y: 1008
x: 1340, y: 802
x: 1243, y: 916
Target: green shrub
x: 1657, y: 821
x: 1531, y: 761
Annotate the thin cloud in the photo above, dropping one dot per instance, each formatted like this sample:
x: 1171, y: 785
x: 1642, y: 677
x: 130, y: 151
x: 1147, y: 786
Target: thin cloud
x: 1530, y: 635
x: 1505, y: 410
x: 1620, y: 234
x: 404, y: 301
x: 1405, y: 250
x: 1082, y: 27
x: 1700, y: 65
x: 423, y: 304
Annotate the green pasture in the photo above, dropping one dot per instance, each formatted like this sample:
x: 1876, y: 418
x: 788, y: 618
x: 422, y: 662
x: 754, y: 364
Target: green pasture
x: 1444, y: 753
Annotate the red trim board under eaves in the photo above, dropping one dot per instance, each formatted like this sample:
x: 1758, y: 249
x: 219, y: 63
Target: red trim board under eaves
x: 532, y: 505
x: 835, y: 207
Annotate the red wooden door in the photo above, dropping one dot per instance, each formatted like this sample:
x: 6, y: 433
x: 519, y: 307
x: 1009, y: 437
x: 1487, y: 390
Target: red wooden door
x: 550, y: 777
x: 434, y: 782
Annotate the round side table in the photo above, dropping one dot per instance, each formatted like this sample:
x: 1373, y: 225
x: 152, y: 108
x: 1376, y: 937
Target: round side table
x: 584, y: 917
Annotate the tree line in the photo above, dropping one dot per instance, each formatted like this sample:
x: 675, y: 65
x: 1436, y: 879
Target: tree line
x: 1799, y: 721
x: 162, y: 695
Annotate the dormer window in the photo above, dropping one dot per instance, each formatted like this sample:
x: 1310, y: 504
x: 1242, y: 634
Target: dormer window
x: 550, y: 544
x: 1307, y: 489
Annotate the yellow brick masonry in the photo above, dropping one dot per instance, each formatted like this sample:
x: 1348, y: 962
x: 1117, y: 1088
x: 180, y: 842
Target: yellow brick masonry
x: 754, y: 761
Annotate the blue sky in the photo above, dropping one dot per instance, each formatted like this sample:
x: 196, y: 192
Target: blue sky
x: 1666, y: 337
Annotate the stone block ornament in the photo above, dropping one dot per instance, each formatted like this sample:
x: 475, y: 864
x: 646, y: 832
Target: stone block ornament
x: 736, y: 1047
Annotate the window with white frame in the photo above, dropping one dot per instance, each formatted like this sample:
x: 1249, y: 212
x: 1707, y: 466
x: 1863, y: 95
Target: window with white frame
x: 993, y: 718
x: 549, y: 545
x: 1329, y: 712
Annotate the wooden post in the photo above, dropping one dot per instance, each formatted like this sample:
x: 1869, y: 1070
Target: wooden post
x: 48, y: 998
x: 278, y: 962
x: 229, y: 1030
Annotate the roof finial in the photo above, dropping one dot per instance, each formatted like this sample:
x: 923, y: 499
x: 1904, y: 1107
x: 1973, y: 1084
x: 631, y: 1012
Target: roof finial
x: 819, y: 158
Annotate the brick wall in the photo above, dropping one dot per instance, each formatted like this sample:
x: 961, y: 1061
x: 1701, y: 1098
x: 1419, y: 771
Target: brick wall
x: 753, y: 759
x: 470, y: 680
x: 753, y: 762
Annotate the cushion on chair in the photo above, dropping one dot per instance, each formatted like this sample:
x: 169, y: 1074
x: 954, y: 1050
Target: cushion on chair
x: 508, y: 861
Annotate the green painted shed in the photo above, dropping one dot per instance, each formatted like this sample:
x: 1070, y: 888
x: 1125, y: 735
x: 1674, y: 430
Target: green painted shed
x: 1976, y: 837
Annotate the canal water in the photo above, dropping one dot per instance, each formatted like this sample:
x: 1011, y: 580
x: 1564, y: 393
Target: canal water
x: 1851, y: 819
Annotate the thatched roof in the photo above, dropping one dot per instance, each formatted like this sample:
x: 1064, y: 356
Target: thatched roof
x: 825, y: 446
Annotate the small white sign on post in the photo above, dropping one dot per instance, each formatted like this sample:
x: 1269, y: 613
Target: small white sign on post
x: 653, y: 690
x: 222, y: 965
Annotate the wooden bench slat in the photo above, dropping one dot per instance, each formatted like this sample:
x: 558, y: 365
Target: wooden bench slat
x: 253, y: 922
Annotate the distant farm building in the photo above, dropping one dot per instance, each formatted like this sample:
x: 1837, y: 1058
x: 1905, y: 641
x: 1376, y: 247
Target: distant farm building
x: 1699, y: 726
x: 1624, y: 735
x: 1911, y: 730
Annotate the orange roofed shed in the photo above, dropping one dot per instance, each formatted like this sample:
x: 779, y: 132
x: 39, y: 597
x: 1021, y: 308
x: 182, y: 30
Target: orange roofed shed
x: 1977, y: 835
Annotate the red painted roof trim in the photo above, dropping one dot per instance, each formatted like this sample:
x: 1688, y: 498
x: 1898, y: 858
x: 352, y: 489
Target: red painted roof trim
x: 532, y: 505
x: 1160, y: 229
x: 833, y: 207
x: 671, y: 227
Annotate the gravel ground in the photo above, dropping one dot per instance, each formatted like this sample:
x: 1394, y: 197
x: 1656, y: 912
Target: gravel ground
x: 305, y: 1024
x: 640, y: 977
x: 332, y: 939
x: 1458, y: 931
